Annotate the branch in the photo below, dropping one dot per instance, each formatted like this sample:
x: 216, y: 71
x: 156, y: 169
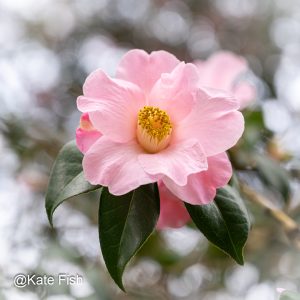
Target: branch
x: 291, y: 227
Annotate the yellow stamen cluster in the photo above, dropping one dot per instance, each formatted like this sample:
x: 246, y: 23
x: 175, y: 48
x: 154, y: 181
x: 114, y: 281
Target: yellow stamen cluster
x: 155, y: 121
x: 154, y: 128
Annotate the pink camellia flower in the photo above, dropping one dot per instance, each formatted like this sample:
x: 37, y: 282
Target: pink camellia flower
x: 86, y: 134
x: 223, y: 71
x: 172, y: 210
x: 154, y: 123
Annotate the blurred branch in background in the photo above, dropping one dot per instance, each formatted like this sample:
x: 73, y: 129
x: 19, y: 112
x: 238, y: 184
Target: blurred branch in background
x: 46, y: 50
x: 291, y: 228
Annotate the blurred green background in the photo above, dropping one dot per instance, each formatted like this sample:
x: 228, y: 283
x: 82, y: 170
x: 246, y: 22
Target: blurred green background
x: 47, y: 48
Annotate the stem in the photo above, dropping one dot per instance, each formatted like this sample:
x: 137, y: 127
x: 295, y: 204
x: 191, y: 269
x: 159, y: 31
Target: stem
x: 292, y: 229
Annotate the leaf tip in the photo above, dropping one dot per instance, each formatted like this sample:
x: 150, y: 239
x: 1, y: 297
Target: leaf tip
x: 239, y: 259
x: 50, y: 220
x: 118, y: 280
x: 121, y: 286
x: 49, y: 212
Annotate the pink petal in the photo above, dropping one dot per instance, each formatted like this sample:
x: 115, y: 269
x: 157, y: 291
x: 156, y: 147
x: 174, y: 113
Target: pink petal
x: 221, y: 70
x: 86, y: 138
x: 116, y: 166
x: 201, y: 187
x: 217, y: 93
x: 174, y: 92
x: 112, y: 105
x: 85, y: 122
x: 86, y: 134
x: 145, y: 69
x: 215, y: 122
x: 172, y: 210
x: 100, y: 86
x: 245, y: 93
x: 177, y: 161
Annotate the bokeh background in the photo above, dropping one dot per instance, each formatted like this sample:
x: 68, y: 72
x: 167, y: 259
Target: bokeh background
x: 47, y: 48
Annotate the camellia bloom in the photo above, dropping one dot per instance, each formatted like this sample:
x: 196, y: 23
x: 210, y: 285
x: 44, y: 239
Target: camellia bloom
x: 223, y: 71
x: 154, y: 123
x: 86, y: 134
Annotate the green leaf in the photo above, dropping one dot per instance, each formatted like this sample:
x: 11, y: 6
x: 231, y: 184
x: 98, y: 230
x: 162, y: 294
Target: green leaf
x: 255, y: 131
x: 289, y: 295
x: 66, y: 178
x: 254, y: 118
x: 273, y: 175
x: 224, y: 222
x: 125, y: 223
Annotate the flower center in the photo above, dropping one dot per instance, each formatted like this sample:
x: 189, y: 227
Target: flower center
x: 154, y: 129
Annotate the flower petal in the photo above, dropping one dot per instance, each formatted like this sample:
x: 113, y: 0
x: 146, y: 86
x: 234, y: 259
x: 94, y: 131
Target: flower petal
x: 145, y: 69
x: 245, y: 93
x: 172, y: 210
x: 112, y: 105
x: 86, y: 138
x: 116, y: 166
x: 177, y: 161
x: 86, y: 134
x: 201, y: 187
x: 215, y: 122
x: 174, y: 92
x: 221, y: 70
